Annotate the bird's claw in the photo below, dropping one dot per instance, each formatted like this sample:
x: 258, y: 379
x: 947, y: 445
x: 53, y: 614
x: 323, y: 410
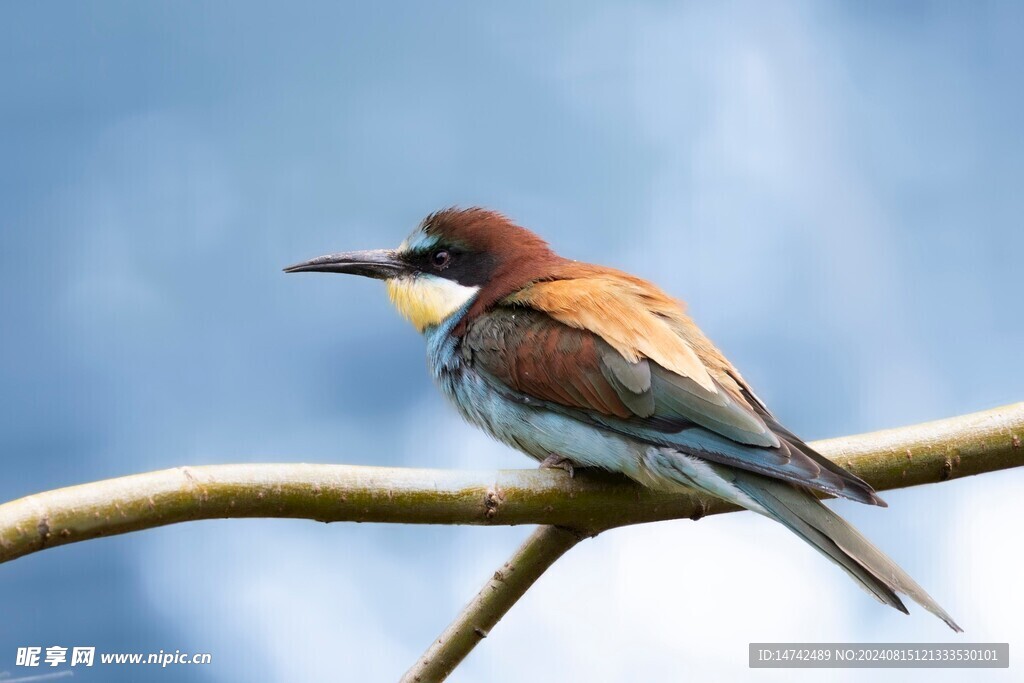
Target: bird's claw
x: 555, y: 461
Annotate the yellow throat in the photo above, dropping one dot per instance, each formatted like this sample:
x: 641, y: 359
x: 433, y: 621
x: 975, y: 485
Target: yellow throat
x: 426, y: 300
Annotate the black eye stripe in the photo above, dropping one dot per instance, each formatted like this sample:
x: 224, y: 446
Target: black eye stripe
x: 468, y: 268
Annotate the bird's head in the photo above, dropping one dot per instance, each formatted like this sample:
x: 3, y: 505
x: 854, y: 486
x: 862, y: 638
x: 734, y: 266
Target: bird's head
x: 456, y: 260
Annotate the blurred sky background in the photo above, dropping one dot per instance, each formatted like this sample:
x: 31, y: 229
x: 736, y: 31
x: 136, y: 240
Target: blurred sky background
x: 834, y: 187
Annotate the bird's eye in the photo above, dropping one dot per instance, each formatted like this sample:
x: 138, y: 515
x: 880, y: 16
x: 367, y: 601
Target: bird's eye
x: 441, y: 258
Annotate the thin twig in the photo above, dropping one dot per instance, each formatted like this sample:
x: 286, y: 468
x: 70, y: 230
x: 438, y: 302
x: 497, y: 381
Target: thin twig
x: 932, y: 452
x: 538, y: 552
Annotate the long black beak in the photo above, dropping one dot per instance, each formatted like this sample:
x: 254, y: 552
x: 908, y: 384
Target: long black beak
x: 376, y: 263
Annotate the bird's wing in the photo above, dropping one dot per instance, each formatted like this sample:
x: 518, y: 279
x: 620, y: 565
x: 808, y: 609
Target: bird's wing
x: 613, y: 350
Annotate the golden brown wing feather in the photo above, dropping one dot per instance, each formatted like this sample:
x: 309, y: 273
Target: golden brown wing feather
x: 624, y: 353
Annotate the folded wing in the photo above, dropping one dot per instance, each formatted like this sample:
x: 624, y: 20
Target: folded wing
x: 616, y: 352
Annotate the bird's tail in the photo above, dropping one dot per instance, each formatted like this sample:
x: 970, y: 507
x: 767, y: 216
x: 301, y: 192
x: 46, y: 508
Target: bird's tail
x: 834, y: 537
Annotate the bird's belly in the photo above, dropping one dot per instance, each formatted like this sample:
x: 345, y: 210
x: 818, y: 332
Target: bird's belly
x: 539, y: 433
x: 536, y: 431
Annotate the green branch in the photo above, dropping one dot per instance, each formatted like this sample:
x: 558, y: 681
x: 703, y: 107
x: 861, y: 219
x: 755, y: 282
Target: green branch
x: 509, y: 583
x: 908, y: 456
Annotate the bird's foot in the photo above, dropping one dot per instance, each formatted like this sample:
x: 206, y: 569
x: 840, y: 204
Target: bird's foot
x: 556, y: 461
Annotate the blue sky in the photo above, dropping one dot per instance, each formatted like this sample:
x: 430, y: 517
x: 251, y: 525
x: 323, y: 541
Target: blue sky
x: 834, y: 188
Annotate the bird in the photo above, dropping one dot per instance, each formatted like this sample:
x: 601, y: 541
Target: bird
x: 579, y: 365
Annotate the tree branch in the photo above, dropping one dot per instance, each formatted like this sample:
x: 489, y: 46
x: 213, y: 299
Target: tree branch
x: 509, y: 583
x: 908, y: 456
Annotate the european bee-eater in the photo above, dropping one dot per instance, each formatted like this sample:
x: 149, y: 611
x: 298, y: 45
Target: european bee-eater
x: 580, y: 365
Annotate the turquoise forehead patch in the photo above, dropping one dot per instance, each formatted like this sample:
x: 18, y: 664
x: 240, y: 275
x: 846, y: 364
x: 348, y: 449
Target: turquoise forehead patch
x: 419, y: 240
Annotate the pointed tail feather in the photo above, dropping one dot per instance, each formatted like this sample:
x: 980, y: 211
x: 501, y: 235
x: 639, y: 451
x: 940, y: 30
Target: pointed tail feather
x: 835, y: 538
